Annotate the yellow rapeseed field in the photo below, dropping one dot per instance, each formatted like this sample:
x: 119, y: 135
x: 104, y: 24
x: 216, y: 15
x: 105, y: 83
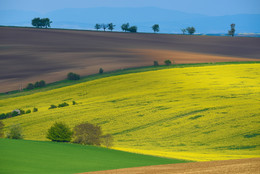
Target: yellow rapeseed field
x: 194, y: 113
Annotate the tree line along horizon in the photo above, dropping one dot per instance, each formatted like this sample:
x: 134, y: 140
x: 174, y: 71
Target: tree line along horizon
x: 46, y: 23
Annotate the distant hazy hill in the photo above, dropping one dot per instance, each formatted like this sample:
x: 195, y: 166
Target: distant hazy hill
x: 170, y: 21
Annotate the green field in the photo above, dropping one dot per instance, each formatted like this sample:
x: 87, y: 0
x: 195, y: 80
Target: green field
x: 23, y: 156
x: 196, y: 113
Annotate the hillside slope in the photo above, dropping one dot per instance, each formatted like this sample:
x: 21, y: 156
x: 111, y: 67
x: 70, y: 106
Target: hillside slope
x: 196, y: 113
x: 29, y: 54
x: 24, y: 157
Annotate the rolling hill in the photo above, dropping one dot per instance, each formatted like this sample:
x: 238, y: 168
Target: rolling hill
x: 28, y: 55
x: 197, y: 113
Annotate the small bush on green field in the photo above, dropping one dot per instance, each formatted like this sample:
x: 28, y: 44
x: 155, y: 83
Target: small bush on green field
x: 74, y: 103
x: 101, y: 71
x: 167, y: 62
x: 52, y: 107
x: 155, y: 63
x: 15, y: 132
x: 73, y: 76
x: 28, y: 111
x: 35, y: 109
x: 1, y: 129
x: 59, y: 132
x: 63, y: 105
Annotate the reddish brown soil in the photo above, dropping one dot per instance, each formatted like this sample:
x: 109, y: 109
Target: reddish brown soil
x: 243, y: 166
x: 28, y: 55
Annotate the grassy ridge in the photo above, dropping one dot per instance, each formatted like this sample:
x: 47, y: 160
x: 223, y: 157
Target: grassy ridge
x: 195, y: 113
x: 20, y: 156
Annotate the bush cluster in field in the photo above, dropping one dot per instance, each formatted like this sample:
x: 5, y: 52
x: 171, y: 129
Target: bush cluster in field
x: 36, y: 85
x: 16, y: 112
x: 64, y: 104
x: 84, y: 133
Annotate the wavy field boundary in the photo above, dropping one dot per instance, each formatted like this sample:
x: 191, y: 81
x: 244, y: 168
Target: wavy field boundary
x: 194, y: 113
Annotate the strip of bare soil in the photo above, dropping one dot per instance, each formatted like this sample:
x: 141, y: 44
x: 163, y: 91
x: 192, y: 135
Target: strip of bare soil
x: 241, y: 166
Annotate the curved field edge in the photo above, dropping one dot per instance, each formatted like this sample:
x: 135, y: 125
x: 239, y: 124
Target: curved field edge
x: 64, y: 83
x: 197, y: 113
x: 239, y: 166
x: 23, y: 156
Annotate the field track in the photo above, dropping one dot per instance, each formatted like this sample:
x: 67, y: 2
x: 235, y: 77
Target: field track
x: 29, y: 55
x: 241, y: 166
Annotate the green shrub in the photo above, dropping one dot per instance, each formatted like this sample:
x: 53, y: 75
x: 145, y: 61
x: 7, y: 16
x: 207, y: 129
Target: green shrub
x: 132, y: 29
x: 155, y: 63
x: 52, y: 107
x: 74, y: 103
x: 73, y: 76
x: 22, y: 111
x: 30, y: 86
x: 101, y: 71
x: 28, y: 111
x: 42, y: 83
x: 15, y: 132
x: 15, y: 113
x: 59, y: 132
x: 167, y: 62
x: 35, y: 109
x: 63, y: 105
x: 37, y: 85
x: 3, y: 116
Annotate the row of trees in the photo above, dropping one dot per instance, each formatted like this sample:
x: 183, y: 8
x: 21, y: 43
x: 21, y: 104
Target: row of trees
x: 45, y: 22
x: 41, y: 22
x: 125, y: 27
x: 36, y: 85
x: 84, y: 133
x: 16, y: 112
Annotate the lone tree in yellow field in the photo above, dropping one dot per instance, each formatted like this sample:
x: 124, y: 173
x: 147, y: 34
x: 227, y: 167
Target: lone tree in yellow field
x: 87, y: 134
x: 59, y: 132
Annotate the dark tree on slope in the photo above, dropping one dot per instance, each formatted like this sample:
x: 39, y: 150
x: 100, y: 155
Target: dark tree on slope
x: 73, y: 76
x: 104, y: 26
x: 183, y: 31
x: 232, y: 31
x: 111, y: 26
x: 156, y: 28
x: 191, y: 30
x: 132, y: 29
x: 97, y: 26
x: 125, y: 27
x: 40, y: 23
x: 59, y: 132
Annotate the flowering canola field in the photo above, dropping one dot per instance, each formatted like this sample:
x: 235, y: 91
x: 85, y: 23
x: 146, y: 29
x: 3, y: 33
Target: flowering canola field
x: 194, y: 113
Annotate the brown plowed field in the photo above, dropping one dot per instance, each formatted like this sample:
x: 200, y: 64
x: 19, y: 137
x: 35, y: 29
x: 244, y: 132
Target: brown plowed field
x: 243, y: 166
x: 28, y: 55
